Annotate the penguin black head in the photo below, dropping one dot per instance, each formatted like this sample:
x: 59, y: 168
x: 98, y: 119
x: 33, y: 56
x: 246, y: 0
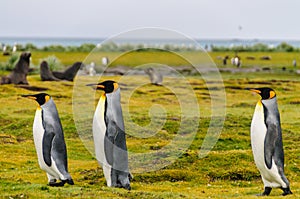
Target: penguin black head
x: 265, y: 92
x: 108, y: 86
x: 41, y: 98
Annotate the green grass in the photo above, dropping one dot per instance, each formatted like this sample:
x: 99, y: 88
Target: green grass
x: 227, y: 172
x: 278, y: 59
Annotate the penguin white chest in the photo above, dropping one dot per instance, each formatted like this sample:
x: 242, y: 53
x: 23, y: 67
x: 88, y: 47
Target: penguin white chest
x: 99, y: 130
x: 258, y: 134
x: 270, y: 176
x: 38, y: 134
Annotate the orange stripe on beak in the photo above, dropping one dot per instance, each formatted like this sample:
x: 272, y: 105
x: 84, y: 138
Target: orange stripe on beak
x: 100, y: 86
x: 30, y: 97
x: 256, y: 91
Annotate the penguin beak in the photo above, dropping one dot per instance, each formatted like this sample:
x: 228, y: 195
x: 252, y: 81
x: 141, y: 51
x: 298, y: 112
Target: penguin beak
x: 100, y: 87
x: 97, y: 86
x: 254, y: 90
x: 29, y: 97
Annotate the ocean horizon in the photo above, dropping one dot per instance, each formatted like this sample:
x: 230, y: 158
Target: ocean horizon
x: 47, y: 41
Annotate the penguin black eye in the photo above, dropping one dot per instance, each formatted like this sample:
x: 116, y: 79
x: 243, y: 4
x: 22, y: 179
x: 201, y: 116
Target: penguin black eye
x: 267, y: 93
x: 42, y: 98
x: 108, y: 86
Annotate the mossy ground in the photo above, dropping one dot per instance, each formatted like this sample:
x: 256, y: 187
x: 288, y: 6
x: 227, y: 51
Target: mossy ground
x: 227, y: 172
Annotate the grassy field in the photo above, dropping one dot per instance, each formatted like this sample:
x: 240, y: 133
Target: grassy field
x: 228, y: 171
x: 278, y: 59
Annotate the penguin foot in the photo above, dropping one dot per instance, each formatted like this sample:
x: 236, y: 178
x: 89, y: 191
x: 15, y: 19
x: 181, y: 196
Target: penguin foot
x: 130, y: 176
x: 70, y: 181
x: 119, y: 185
x: 266, y: 192
x: 127, y: 186
x: 286, y: 191
x: 56, y: 184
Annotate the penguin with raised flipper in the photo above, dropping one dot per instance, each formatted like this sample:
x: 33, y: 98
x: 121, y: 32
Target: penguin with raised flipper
x: 49, y: 141
x: 155, y: 76
x: 109, y: 136
x: 266, y: 142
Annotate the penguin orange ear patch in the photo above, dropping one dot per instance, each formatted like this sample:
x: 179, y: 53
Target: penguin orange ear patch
x: 47, y: 97
x: 272, y: 94
x: 116, y: 86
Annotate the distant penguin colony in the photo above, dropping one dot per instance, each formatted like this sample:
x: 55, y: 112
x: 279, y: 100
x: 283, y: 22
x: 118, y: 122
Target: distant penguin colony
x: 109, y: 136
x: 266, y: 142
x: 49, y: 141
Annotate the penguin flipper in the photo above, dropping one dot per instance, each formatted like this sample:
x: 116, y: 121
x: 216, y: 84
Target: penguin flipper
x: 270, y: 144
x: 121, y: 159
x: 108, y: 149
x: 47, y: 145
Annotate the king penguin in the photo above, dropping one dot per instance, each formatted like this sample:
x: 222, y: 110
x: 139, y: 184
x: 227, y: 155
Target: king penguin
x: 266, y: 142
x: 49, y: 141
x: 109, y: 136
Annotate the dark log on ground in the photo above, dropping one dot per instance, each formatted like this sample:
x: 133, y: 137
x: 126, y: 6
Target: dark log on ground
x: 32, y: 88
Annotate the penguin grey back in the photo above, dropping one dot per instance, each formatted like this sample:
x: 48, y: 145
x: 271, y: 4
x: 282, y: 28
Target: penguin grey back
x: 115, y: 133
x: 53, y: 141
x: 114, y: 109
x: 273, y: 139
x: 51, y: 120
x: 115, y: 141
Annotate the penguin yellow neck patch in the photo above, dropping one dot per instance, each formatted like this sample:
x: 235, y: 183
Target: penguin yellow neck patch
x: 103, y: 97
x: 259, y: 103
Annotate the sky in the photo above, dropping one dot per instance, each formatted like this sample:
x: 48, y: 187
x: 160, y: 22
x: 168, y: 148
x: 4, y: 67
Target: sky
x: 199, y: 19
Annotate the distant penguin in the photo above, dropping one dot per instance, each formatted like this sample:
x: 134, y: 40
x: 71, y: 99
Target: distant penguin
x: 49, y: 141
x: 4, y: 48
x: 237, y: 61
x: 156, y: 78
x: 14, y: 48
x: 105, y: 61
x: 266, y: 141
x: 109, y: 136
x: 91, y: 69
